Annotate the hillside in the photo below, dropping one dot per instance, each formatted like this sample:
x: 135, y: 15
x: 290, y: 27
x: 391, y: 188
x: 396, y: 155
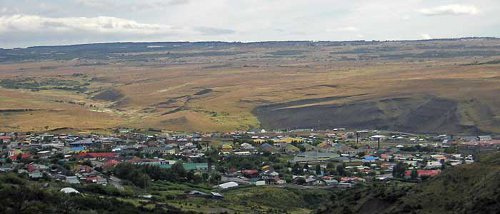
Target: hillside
x: 440, y: 86
x: 471, y: 188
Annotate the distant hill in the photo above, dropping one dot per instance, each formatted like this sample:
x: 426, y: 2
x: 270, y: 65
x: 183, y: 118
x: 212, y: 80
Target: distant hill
x: 440, y: 86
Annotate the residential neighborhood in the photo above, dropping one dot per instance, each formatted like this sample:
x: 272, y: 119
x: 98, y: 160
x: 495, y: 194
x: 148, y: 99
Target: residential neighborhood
x: 337, y: 158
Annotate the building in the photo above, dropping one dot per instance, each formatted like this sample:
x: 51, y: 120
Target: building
x: 309, y: 157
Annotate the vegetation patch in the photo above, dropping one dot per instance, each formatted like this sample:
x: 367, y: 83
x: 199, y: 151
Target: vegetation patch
x: 111, y: 95
x: 36, y: 84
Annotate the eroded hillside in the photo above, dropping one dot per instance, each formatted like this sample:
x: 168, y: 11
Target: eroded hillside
x: 417, y: 86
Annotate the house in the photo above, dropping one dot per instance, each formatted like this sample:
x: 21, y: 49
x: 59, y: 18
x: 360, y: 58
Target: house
x: 228, y: 185
x: 243, y: 153
x: 72, y: 180
x: 308, y: 147
x: 288, y: 140
x: 187, y: 166
x: 326, y: 147
x: 344, y: 185
x: 110, y: 164
x: 260, y: 183
x: 15, y: 153
x: 270, y: 176
x: 370, y: 159
x: 44, y: 154
x: 484, y: 138
x: 35, y: 174
x: 84, y: 169
x: 36, y: 167
x: 5, y: 139
x: 96, y: 179
x: 433, y: 165
x: 216, y: 195
x: 330, y: 181
x: 97, y: 156
x: 259, y: 141
x: 267, y: 148
x: 280, y: 182
x: 227, y: 148
x: 160, y: 150
x: 423, y: 173
x: 250, y: 173
x: 69, y: 190
x: 385, y: 157
x: 195, y: 166
x: 85, y: 142
x: 352, y: 180
x: 308, y: 157
x: 197, y: 193
x: 290, y: 149
x: 247, y: 146
x: 6, y: 168
x: 313, y: 181
x: 78, y: 149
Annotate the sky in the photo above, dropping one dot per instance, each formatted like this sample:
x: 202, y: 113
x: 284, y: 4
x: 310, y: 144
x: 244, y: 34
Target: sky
x: 26, y: 23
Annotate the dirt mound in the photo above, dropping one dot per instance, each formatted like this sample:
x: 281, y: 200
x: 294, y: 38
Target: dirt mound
x: 204, y: 91
x: 111, y: 95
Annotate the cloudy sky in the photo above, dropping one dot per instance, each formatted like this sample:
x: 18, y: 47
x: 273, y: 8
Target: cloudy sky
x: 51, y: 22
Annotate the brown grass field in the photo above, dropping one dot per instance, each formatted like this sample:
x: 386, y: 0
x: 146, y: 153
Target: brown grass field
x: 426, y: 86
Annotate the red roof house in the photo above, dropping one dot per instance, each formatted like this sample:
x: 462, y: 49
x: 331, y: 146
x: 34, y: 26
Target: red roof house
x: 424, y: 172
x: 100, y: 155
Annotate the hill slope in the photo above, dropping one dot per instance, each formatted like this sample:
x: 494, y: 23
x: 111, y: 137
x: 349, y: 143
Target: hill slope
x: 417, y: 86
x: 471, y: 188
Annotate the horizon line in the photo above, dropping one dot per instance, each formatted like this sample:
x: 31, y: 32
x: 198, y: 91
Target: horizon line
x: 251, y: 42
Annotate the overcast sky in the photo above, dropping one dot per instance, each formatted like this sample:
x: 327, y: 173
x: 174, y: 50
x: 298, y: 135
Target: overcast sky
x: 54, y: 22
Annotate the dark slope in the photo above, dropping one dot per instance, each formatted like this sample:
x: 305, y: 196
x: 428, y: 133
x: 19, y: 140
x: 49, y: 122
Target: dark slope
x: 427, y: 114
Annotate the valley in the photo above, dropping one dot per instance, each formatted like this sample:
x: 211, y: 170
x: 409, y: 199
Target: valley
x: 431, y: 86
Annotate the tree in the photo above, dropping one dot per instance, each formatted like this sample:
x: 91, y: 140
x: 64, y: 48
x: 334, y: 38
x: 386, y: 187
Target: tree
x: 398, y: 171
x: 443, y: 164
x: 330, y: 165
x: 296, y: 169
x: 361, y: 154
x: 306, y: 167
x: 318, y: 169
x: 205, y: 176
x: 141, y: 180
x: 341, y: 170
x: 179, y: 171
x: 130, y: 172
x: 214, y: 178
x: 300, y: 181
x: 87, y: 163
x: 414, y: 174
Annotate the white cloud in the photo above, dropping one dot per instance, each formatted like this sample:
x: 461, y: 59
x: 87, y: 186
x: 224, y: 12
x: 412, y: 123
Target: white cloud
x: 101, y: 24
x: 343, y: 29
x: 133, y: 5
x: 452, y: 9
x: 426, y: 36
x: 348, y: 29
x: 14, y: 29
x: 82, y: 21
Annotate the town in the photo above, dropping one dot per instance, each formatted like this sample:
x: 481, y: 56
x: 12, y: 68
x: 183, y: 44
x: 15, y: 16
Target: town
x: 337, y: 158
